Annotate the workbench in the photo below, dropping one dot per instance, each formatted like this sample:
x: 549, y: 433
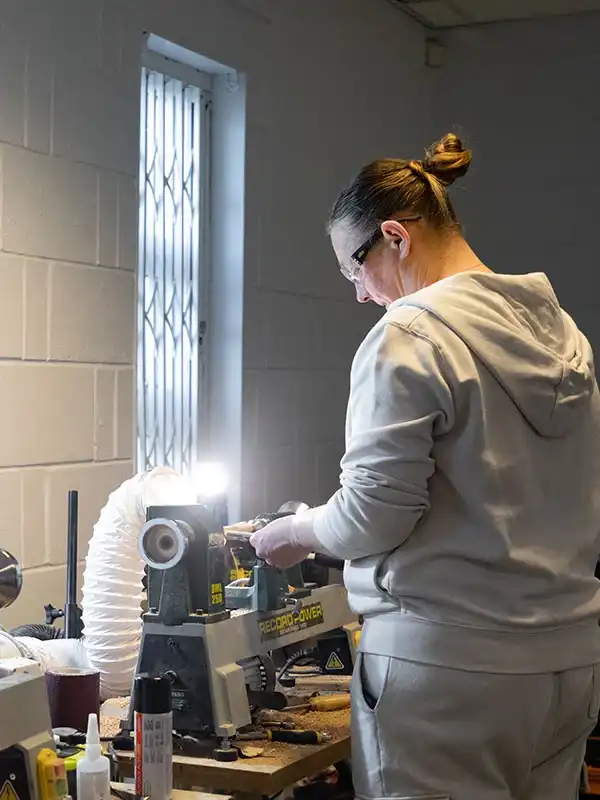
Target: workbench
x: 594, y: 780
x: 279, y: 767
x: 125, y: 789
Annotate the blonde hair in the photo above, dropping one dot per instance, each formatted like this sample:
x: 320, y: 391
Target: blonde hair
x: 391, y: 186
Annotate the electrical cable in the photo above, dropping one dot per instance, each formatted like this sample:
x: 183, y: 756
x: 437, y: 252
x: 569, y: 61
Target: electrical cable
x: 44, y: 633
x: 294, y: 660
x: 300, y: 674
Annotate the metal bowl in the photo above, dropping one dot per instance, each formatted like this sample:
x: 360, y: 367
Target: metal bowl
x: 11, y: 579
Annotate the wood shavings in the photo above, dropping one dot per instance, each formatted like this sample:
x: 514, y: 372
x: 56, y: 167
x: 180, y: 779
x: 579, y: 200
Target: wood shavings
x: 110, y: 727
x: 111, y: 714
x: 337, y: 723
x: 115, y: 704
x: 250, y: 751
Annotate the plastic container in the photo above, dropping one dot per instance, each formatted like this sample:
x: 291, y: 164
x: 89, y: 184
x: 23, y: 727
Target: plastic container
x: 71, y: 768
x: 93, y: 770
x: 52, y: 777
x: 153, y: 726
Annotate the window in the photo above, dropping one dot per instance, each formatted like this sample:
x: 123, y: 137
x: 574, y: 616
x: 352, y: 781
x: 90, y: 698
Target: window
x: 173, y: 256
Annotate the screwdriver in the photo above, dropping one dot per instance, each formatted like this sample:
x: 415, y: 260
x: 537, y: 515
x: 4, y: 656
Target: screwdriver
x: 289, y: 737
x: 332, y: 702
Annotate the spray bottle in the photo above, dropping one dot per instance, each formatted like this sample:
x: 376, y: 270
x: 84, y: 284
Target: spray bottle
x: 93, y: 770
x: 153, y: 737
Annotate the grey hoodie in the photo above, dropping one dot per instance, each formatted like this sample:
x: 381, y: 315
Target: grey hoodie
x: 469, y: 507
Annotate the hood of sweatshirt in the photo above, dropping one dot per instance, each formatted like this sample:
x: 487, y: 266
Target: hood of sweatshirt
x: 514, y: 325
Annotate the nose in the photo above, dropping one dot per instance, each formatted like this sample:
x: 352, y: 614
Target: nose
x: 361, y: 294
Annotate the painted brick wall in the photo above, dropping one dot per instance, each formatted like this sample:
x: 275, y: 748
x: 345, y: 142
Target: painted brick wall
x: 330, y: 86
x: 68, y: 164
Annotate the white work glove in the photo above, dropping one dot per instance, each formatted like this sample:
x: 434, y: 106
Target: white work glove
x: 287, y: 541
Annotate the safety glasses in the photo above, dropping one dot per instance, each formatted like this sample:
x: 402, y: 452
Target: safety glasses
x: 358, y: 257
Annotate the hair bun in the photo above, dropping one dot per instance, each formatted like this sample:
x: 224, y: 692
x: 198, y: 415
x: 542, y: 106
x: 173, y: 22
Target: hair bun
x: 448, y: 159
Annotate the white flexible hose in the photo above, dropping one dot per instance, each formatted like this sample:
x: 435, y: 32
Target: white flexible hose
x: 112, y: 582
x: 55, y: 654
x: 9, y: 646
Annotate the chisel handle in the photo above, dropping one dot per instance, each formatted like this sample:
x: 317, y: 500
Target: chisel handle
x: 298, y: 737
x: 330, y: 702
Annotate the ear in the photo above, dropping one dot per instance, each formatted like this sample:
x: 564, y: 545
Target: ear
x: 396, y: 234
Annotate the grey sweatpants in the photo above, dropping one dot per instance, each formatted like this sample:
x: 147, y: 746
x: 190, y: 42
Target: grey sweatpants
x: 433, y: 733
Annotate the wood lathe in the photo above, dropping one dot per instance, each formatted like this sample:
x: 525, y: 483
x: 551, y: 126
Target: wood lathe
x: 218, y: 640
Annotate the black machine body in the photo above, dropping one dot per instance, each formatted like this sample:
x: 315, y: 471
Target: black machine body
x: 14, y: 782
x: 185, y: 574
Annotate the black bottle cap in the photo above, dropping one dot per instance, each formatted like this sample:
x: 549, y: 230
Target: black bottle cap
x: 152, y: 694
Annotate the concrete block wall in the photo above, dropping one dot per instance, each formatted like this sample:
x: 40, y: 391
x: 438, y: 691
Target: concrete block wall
x: 330, y: 86
x: 68, y: 170
x: 524, y: 96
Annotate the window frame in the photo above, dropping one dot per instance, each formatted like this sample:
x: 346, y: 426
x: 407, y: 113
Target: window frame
x: 147, y: 457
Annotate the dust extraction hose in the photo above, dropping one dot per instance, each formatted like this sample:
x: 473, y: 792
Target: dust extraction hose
x: 112, y: 581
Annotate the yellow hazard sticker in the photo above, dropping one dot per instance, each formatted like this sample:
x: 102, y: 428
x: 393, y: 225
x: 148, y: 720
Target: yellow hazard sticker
x: 8, y: 792
x: 334, y: 662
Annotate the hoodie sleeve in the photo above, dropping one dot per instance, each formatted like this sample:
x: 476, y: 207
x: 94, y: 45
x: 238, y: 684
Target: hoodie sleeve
x: 398, y: 398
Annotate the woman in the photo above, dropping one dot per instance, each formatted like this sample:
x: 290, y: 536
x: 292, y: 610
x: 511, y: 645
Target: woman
x: 469, y: 507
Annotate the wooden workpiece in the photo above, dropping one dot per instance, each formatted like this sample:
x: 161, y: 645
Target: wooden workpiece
x: 280, y: 766
x: 594, y: 780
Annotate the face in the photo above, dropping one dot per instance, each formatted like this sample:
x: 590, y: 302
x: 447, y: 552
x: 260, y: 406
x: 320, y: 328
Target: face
x: 381, y: 277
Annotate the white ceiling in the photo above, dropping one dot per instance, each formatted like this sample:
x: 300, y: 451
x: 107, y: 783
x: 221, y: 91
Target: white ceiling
x: 450, y: 13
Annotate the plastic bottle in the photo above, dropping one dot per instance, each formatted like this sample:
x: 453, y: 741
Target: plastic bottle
x: 93, y: 770
x: 153, y: 737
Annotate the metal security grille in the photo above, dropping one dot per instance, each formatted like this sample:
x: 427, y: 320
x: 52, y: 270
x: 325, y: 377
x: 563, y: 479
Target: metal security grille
x: 173, y: 224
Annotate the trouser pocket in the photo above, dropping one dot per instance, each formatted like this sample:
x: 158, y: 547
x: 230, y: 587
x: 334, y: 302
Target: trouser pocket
x: 368, y: 688
x: 594, y: 707
x: 371, y: 675
x: 382, y: 730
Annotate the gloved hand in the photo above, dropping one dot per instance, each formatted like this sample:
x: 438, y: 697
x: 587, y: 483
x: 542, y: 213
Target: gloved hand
x: 286, y: 541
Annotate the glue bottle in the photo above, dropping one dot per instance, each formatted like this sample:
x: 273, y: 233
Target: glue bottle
x: 93, y: 770
x: 153, y: 722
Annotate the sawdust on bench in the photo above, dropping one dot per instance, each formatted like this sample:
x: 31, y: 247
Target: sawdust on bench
x: 336, y: 723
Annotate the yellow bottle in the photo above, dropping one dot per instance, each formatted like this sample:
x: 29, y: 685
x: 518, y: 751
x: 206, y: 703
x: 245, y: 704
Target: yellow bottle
x: 52, y: 776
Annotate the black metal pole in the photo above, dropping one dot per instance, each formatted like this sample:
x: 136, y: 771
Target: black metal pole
x: 72, y: 614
